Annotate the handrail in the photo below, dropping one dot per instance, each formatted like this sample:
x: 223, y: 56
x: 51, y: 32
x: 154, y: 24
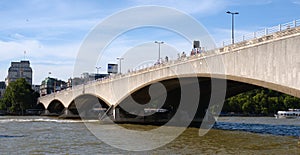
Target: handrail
x: 263, y: 32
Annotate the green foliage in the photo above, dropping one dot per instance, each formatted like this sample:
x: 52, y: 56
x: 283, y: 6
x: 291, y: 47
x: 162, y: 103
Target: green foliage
x: 260, y: 101
x: 18, y: 97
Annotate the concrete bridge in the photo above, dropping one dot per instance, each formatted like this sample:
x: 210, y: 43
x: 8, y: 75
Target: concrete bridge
x: 271, y: 61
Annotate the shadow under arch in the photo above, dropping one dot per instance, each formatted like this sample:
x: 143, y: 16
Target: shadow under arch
x: 55, y: 107
x: 159, y: 107
x: 88, y: 106
x: 40, y: 106
x: 234, y: 86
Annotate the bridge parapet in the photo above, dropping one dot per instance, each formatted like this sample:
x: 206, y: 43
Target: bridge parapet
x: 264, y: 32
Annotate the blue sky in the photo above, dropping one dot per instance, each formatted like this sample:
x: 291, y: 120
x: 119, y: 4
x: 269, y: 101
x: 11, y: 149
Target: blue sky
x: 51, y: 32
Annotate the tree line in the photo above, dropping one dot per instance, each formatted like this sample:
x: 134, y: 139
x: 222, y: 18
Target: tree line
x: 260, y: 101
x: 18, y: 97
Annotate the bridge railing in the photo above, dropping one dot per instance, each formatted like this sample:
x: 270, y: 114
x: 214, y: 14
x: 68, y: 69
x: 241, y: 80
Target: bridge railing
x: 263, y: 32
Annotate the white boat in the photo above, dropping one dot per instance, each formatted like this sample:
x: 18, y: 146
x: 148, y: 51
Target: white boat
x: 291, y: 113
x: 155, y: 110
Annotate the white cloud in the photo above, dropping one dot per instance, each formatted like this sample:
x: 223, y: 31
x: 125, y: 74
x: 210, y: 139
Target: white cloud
x: 43, y: 58
x: 296, y: 2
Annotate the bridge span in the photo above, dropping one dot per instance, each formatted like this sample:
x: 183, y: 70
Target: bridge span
x: 271, y: 61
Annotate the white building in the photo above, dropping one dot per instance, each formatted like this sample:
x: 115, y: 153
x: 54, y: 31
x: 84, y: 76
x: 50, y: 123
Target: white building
x: 19, y: 70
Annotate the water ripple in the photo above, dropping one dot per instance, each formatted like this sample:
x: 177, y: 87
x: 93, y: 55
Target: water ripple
x: 281, y: 130
x: 11, y: 136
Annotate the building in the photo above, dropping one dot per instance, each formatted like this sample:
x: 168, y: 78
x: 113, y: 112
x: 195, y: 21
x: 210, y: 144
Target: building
x: 36, y: 88
x: 19, y: 70
x: 50, y: 85
x: 85, y: 77
x: 2, y: 88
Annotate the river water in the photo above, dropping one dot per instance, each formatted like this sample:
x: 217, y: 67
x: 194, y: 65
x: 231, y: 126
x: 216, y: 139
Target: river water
x: 231, y: 135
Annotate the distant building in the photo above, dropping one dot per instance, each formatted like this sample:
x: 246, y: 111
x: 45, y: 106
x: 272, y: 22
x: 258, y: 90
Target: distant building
x: 2, y: 88
x: 74, y: 82
x: 19, y: 70
x: 50, y: 85
x: 36, y: 88
x: 85, y: 77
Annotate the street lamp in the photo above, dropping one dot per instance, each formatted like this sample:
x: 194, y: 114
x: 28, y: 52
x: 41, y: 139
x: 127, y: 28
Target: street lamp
x: 120, y: 59
x: 159, y: 42
x: 98, y: 69
x: 232, y: 24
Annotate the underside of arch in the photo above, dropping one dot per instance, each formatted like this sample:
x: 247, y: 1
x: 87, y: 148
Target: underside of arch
x: 265, y: 84
x: 55, y: 107
x: 169, y: 106
x: 40, y: 106
x: 88, y: 106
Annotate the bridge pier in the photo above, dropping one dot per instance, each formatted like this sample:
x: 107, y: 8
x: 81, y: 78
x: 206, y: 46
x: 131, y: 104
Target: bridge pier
x: 116, y: 114
x: 46, y: 112
x: 68, y: 114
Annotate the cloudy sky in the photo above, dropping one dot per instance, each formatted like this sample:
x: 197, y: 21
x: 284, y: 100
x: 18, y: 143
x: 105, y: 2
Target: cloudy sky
x: 52, y: 32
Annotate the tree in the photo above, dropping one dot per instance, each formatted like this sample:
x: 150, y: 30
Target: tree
x: 291, y: 102
x: 260, y: 101
x: 18, y: 97
x: 248, y: 107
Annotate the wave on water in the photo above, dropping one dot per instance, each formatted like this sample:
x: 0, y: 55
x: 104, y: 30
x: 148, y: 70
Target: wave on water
x: 7, y: 120
x: 10, y: 136
x: 280, y: 130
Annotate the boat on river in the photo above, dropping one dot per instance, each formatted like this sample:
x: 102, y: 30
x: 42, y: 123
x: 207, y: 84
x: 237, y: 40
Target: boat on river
x: 291, y: 113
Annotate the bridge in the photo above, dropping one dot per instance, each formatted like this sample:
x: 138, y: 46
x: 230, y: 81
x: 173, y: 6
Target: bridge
x: 270, y: 61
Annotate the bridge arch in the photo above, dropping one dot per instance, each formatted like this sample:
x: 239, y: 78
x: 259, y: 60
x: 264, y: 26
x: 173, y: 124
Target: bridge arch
x: 206, y: 78
x: 55, y: 107
x: 251, y: 82
x: 40, y: 106
x: 235, y: 85
x: 169, y: 100
x: 265, y: 84
x: 88, y: 106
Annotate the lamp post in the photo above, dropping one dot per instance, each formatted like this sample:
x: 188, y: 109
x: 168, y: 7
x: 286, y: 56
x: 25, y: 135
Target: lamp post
x: 159, y: 43
x: 232, y: 24
x: 98, y: 69
x: 120, y: 59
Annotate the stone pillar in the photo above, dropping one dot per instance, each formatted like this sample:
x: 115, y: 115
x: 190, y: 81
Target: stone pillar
x: 67, y: 112
x: 46, y: 112
x: 116, y: 114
